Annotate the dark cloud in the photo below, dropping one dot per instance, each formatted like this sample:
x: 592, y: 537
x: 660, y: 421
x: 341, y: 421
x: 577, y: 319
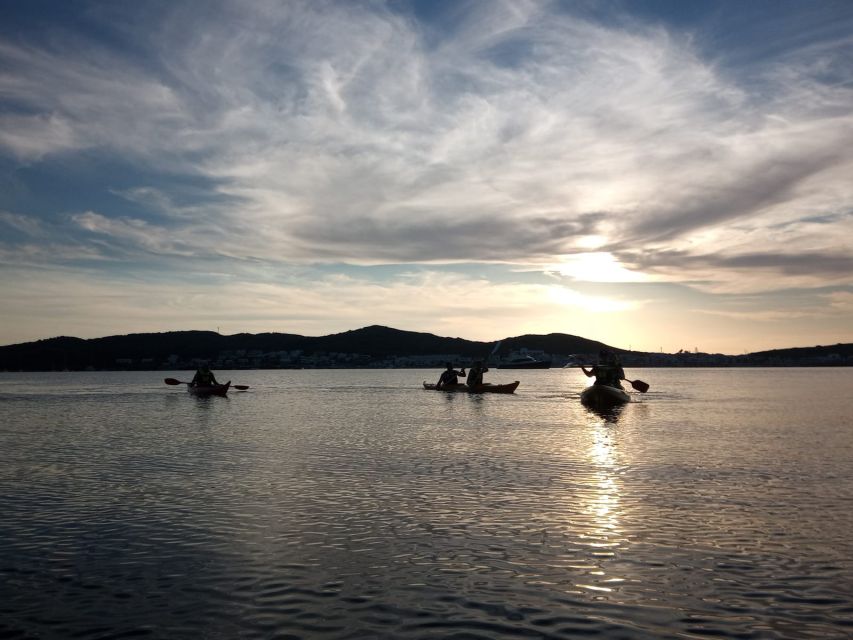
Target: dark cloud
x: 735, y: 194
x: 829, y: 218
x: 416, y: 236
x: 790, y: 263
x: 810, y: 263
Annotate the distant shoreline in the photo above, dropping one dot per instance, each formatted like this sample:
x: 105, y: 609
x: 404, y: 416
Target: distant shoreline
x: 373, y: 347
x: 433, y: 368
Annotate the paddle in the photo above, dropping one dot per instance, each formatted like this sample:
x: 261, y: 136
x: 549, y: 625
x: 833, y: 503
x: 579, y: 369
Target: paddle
x: 494, y: 351
x: 172, y: 381
x: 488, y: 357
x: 639, y: 385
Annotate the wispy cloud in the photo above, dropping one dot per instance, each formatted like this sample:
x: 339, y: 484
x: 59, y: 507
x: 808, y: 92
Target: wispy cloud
x: 426, y: 301
x: 333, y: 119
x: 28, y: 225
x: 75, y: 94
x: 512, y: 132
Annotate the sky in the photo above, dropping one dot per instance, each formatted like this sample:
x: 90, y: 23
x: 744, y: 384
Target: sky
x: 656, y: 175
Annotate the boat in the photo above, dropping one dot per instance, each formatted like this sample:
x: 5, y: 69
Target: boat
x: 525, y: 362
x: 204, y: 391
x: 480, y: 388
x: 600, y: 396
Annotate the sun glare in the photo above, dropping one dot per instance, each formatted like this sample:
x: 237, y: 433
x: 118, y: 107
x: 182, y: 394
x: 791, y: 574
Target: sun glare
x: 595, y: 304
x: 596, y: 266
x: 591, y: 242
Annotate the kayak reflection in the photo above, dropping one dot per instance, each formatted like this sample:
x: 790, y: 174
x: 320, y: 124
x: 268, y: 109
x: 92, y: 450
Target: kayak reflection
x: 610, y: 414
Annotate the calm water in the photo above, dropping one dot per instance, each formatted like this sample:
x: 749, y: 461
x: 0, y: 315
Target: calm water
x: 354, y: 504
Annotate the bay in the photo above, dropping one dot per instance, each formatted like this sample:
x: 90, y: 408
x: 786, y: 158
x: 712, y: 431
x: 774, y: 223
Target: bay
x: 355, y: 504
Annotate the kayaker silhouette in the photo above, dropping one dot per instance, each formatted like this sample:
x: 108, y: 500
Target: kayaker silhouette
x: 449, y: 376
x: 204, y: 377
x: 608, y: 371
x: 475, y: 374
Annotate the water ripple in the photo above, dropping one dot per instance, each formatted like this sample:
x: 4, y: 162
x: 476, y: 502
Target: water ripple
x: 356, y: 505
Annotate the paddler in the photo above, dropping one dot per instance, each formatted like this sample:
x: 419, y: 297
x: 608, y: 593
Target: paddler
x: 608, y: 371
x: 475, y: 374
x: 204, y: 377
x: 449, y: 376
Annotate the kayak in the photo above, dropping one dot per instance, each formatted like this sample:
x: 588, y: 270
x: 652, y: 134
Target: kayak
x: 204, y: 391
x: 600, y: 396
x: 480, y: 388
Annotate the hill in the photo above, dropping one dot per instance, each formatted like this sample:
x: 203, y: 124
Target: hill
x: 369, y: 346
x: 165, y: 350
x: 819, y: 355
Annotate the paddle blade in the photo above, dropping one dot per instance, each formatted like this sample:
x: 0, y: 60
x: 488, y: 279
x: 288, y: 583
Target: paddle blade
x: 240, y: 387
x: 639, y: 385
x: 173, y: 381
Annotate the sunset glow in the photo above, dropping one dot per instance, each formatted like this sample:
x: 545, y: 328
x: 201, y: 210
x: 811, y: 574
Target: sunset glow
x: 640, y: 173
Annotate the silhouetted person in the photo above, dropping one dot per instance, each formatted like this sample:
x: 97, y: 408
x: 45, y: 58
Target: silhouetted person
x: 475, y: 374
x: 204, y: 377
x: 608, y: 371
x: 449, y: 376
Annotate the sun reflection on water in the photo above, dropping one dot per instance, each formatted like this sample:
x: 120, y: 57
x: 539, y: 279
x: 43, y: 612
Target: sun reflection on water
x: 601, y: 504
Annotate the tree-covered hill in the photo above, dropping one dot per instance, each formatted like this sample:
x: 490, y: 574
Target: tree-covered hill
x: 368, y: 346
x: 375, y: 341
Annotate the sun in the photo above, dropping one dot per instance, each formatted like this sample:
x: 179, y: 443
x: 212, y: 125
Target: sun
x: 597, y: 266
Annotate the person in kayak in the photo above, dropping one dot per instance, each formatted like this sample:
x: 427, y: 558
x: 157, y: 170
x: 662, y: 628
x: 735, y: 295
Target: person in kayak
x: 616, y: 371
x: 475, y: 374
x: 449, y: 376
x: 608, y: 371
x: 204, y: 377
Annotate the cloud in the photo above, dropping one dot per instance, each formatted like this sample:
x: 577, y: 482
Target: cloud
x: 45, y: 255
x: 512, y: 132
x: 746, y: 186
x: 31, y: 137
x: 768, y: 316
x: 138, y: 232
x: 28, y: 225
x: 840, y: 301
x: 746, y: 272
x: 346, y: 133
x: 91, y: 304
x: 415, y: 237
x: 74, y: 94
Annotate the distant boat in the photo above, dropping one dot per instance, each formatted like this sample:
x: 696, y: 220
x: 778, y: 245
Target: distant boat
x: 525, y: 362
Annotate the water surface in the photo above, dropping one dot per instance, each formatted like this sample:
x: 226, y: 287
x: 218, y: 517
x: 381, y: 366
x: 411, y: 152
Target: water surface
x: 354, y: 504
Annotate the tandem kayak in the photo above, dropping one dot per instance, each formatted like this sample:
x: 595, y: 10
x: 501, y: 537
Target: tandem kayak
x: 209, y: 390
x: 480, y: 388
x: 601, y: 396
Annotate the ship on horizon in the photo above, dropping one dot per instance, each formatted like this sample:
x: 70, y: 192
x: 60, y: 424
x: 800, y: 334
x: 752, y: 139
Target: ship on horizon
x: 525, y: 359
